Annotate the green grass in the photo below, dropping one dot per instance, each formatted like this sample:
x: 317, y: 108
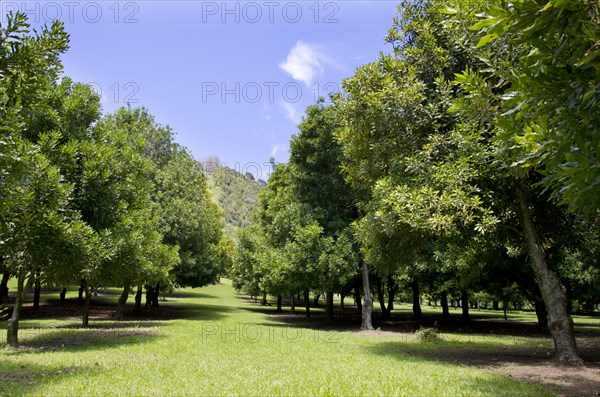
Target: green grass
x: 220, y: 347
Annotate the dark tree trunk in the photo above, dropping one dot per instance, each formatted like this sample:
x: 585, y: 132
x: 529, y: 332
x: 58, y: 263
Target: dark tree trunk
x: 464, y: 304
x: 137, y: 308
x: 37, y: 290
x: 307, y: 302
x: 149, y: 292
x: 542, y: 314
x: 12, y: 326
x: 86, y: 306
x: 279, y: 299
x: 316, y: 300
x: 292, y: 303
x: 357, y: 298
x: 80, y: 292
x: 416, y: 299
x: 444, y: 303
x: 551, y: 288
x: 381, y: 297
x: 367, y: 308
x: 329, y: 306
x: 391, y: 288
x: 495, y: 305
x: 63, y: 295
x: 342, y: 300
x: 4, y: 286
x: 264, y: 299
x: 505, y: 309
x: 122, y: 302
x: 155, y: 295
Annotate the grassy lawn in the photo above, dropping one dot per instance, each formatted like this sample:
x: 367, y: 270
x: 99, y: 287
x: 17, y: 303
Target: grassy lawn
x: 219, y: 346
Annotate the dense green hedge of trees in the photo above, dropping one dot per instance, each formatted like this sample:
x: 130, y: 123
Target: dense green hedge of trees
x: 463, y: 165
x: 90, y: 199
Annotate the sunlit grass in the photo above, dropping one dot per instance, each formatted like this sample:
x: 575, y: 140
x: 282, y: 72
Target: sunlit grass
x: 220, y: 347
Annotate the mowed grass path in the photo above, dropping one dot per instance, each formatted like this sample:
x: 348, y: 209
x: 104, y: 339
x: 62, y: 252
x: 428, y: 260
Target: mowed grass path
x: 220, y: 347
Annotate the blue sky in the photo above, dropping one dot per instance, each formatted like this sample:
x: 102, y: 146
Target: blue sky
x: 231, y: 78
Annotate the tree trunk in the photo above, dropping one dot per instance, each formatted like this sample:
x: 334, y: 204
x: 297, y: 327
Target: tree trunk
x: 316, y: 300
x: 63, y: 296
x: 292, y: 304
x: 329, y: 305
x: 551, y: 288
x: 357, y: 299
x: 137, y: 308
x: 444, y: 303
x: 122, y: 302
x: 495, y: 305
x: 542, y: 314
x: 367, y: 308
x: 149, y: 292
x: 264, y: 299
x: 381, y: 297
x: 307, y: 302
x: 464, y: 304
x: 86, y: 306
x: 279, y: 299
x: 416, y: 299
x: 37, y: 291
x: 80, y: 292
x: 12, y: 326
x: 342, y: 300
x: 391, y: 288
x: 155, y: 295
x: 4, y: 286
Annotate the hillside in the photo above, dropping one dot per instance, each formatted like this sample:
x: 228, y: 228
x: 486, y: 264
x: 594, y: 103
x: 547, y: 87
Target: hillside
x: 236, y: 194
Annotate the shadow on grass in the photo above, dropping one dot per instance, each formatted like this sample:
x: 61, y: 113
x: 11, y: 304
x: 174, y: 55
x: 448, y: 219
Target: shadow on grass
x: 20, y: 379
x: 41, y: 340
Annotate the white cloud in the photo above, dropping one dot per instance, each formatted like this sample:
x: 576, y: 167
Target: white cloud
x: 291, y: 112
x: 305, y: 62
x: 278, y: 148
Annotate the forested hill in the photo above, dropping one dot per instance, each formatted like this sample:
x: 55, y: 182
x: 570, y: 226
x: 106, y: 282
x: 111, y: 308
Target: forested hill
x: 236, y: 194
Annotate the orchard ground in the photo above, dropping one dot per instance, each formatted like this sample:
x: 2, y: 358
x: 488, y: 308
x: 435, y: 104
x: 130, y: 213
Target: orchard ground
x: 212, y: 341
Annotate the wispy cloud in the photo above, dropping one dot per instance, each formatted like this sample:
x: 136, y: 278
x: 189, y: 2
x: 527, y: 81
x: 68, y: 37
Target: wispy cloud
x: 305, y: 62
x: 291, y: 111
x: 278, y: 148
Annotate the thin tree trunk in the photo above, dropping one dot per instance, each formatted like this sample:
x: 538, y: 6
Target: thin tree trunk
x: 307, y: 302
x: 292, y: 304
x: 63, y: 295
x: 391, y: 288
x: 37, y: 290
x: 342, y: 300
x: 279, y: 299
x: 12, y: 326
x: 86, y: 306
x: 416, y: 299
x: 122, y: 302
x: 4, y: 286
x: 264, y: 299
x: 381, y: 297
x: 444, y: 303
x: 553, y: 293
x: 464, y: 304
x: 137, y: 308
x: 329, y: 305
x: 367, y: 308
x: 155, y: 295
x: 357, y: 299
x: 316, y: 300
x: 495, y: 305
x: 80, y: 292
